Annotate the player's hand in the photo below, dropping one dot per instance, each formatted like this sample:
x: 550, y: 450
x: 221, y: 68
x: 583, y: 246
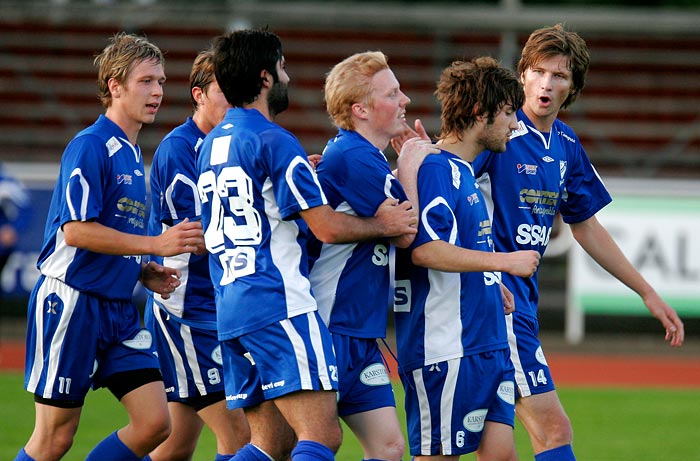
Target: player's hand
x: 413, y: 152
x: 184, y: 237
x: 508, y: 300
x: 160, y: 279
x: 675, y: 331
x: 523, y: 263
x: 397, y: 218
x: 314, y: 159
x: 419, y: 132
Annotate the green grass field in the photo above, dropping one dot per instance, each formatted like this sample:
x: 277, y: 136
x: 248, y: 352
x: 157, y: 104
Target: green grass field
x: 610, y: 424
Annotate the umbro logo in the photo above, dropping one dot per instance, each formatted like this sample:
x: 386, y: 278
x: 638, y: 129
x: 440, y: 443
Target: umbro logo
x: 547, y: 159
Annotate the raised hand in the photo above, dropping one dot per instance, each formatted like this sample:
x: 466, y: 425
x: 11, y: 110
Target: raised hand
x: 419, y: 132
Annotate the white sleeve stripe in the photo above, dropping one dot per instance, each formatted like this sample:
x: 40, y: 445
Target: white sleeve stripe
x: 424, y: 219
x: 83, y: 200
x: 290, y: 181
x: 169, y: 195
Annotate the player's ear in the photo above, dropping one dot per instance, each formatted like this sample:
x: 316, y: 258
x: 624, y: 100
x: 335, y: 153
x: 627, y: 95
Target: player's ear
x: 267, y: 79
x: 198, y: 95
x: 359, y: 110
x: 114, y: 87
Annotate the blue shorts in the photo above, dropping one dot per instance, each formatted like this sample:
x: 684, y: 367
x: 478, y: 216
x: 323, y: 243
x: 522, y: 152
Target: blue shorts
x: 75, y: 341
x: 532, y: 374
x: 448, y: 403
x: 363, y: 383
x: 190, y: 357
x: 288, y: 356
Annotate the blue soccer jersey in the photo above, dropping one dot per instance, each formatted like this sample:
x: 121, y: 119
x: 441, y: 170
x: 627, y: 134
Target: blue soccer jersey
x: 446, y: 315
x: 254, y: 179
x: 174, y: 197
x: 351, y: 281
x: 538, y: 175
x: 102, y: 180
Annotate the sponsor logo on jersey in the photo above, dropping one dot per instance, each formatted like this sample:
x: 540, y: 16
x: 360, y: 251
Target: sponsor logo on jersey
x: 567, y: 137
x: 473, y: 198
x: 141, y: 341
x: 484, y: 228
x: 533, y: 234
x: 125, y: 179
x: 374, y: 375
x: 506, y: 392
x: 380, y: 255
x: 539, y: 197
x: 527, y: 169
x: 521, y: 130
x: 113, y: 145
x: 547, y: 159
x: 138, y: 172
x: 474, y: 421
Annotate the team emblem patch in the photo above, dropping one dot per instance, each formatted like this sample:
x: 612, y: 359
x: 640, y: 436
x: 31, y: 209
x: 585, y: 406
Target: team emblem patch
x: 113, y: 145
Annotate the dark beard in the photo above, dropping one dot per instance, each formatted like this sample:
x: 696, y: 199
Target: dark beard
x: 277, y: 99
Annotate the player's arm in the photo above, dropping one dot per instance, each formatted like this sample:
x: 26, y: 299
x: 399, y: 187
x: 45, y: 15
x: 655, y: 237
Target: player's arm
x: 391, y: 219
x: 90, y: 235
x: 443, y: 256
x: 599, y: 244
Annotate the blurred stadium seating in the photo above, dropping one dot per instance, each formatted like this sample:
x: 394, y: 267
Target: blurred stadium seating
x: 638, y: 115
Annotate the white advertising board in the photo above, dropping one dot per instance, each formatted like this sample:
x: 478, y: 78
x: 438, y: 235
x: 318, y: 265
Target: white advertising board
x: 657, y: 225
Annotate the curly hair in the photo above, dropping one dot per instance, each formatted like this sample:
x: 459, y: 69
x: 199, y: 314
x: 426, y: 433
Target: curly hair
x: 471, y: 89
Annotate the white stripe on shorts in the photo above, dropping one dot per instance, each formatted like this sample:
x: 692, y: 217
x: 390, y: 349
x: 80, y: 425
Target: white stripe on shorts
x: 447, y: 403
x: 191, y: 355
x: 314, y: 330
x: 180, y: 372
x: 69, y: 296
x: 299, y: 353
x: 424, y: 409
x: 520, y: 378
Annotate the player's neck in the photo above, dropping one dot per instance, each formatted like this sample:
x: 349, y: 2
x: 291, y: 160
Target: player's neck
x: 260, y: 104
x: 464, y: 148
x: 378, y: 140
x: 543, y: 123
x: 129, y: 126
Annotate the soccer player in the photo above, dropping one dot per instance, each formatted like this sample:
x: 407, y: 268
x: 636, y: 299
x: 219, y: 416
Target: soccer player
x: 351, y: 281
x: 544, y: 171
x: 260, y: 198
x: 15, y: 215
x: 83, y: 327
x: 449, y: 304
x: 184, y: 325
